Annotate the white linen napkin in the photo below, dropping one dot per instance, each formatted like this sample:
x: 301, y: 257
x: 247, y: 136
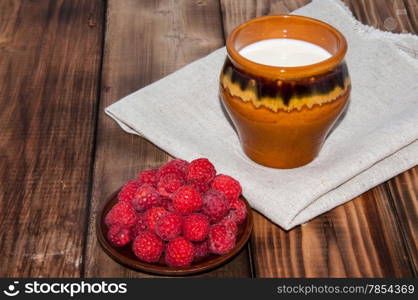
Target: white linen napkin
x: 376, y: 140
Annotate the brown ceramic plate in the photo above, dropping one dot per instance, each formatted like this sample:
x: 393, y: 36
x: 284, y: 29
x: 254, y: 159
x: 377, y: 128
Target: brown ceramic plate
x: 125, y: 256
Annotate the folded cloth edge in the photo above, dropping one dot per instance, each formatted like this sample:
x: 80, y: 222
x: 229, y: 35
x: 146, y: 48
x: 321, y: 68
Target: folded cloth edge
x: 405, y: 158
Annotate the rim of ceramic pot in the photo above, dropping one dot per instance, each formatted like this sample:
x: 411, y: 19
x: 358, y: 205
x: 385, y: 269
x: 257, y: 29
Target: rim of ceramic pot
x: 286, y: 72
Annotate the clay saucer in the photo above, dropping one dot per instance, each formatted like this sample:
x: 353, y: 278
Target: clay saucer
x: 125, y: 256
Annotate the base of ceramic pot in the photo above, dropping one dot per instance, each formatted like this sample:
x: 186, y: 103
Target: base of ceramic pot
x: 287, y: 163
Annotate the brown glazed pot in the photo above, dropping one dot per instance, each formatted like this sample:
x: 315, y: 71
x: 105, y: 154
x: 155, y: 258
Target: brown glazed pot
x: 283, y: 114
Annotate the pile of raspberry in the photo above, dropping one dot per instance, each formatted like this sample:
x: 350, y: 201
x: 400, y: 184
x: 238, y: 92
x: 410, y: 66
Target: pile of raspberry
x: 182, y: 211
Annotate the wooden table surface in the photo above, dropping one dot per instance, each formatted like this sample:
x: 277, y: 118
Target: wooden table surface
x: 63, y: 62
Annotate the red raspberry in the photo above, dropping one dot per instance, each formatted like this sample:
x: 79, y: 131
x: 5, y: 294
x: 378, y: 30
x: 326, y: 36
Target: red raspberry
x: 119, y: 235
x: 167, y: 203
x: 148, y: 176
x: 169, y: 184
x: 238, y: 211
x: 215, y: 205
x: 220, y: 240
x: 229, y: 224
x: 148, y: 247
x: 200, y: 170
x: 169, y: 226
x: 201, y: 249
x: 146, y: 197
x: 179, y: 253
x: 127, y: 193
x: 195, y: 227
x: 122, y: 213
x: 140, y: 225
x: 181, y: 164
x: 187, y: 200
x: 152, y: 216
x: 227, y: 185
x: 201, y: 187
x: 175, y: 166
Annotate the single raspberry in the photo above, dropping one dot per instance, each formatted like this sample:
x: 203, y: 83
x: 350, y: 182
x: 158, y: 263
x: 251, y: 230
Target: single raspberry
x: 195, y: 227
x: 169, y: 226
x: 201, y: 249
x: 215, y: 205
x: 119, y: 235
x: 175, y: 166
x: 122, y: 213
x: 152, y: 216
x: 140, y: 225
x: 200, y: 170
x: 169, y: 184
x: 181, y: 164
x: 238, y: 211
x: 220, y: 240
x: 201, y: 187
x: 148, y: 176
x: 179, y: 253
x: 146, y: 197
x: 228, y: 186
x: 167, y: 203
x: 148, y: 247
x: 229, y: 224
x: 127, y: 193
x: 187, y: 200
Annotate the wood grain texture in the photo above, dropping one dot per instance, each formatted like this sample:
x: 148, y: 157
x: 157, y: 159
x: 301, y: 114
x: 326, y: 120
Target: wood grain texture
x: 411, y: 11
x: 49, y: 65
x: 235, y: 12
x: 145, y: 40
x: 404, y: 191
x: 388, y: 15
x: 362, y: 238
x: 358, y: 239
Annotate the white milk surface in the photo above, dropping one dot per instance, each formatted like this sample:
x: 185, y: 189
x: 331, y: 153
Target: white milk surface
x: 284, y: 52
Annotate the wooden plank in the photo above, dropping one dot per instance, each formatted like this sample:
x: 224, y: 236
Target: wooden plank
x: 404, y: 192
x: 49, y: 71
x: 359, y: 239
x: 145, y: 40
x: 393, y: 15
x: 411, y: 11
x: 387, y: 15
x: 235, y: 12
